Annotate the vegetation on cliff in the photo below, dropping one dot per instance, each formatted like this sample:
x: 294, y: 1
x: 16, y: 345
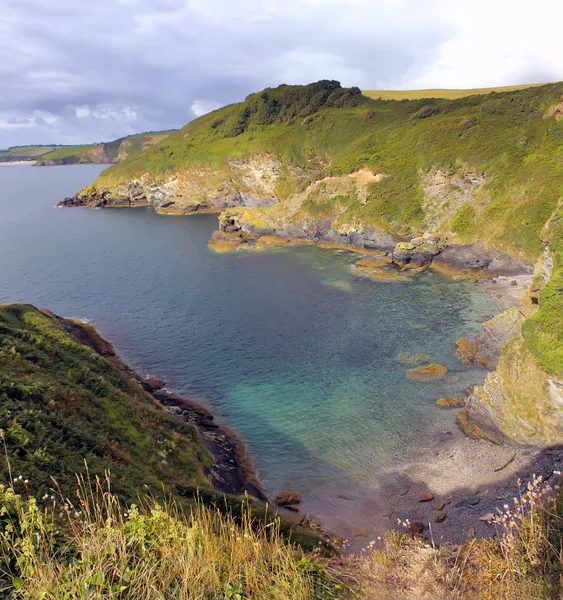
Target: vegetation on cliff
x: 325, y: 130
x: 543, y: 332
x: 62, y: 404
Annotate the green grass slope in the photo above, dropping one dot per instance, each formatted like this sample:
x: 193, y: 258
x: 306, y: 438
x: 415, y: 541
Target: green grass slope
x: 62, y: 404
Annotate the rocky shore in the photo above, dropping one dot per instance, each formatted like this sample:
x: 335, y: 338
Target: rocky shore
x: 232, y: 471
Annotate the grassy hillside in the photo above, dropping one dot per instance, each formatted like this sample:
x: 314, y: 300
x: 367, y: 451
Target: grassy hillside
x: 329, y: 131
x: 62, y: 404
x: 451, y: 94
x: 109, y: 152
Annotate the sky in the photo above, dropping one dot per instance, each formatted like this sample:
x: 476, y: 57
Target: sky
x: 84, y: 71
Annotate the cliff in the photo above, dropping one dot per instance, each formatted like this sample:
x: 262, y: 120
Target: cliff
x: 106, y: 153
x: 463, y: 185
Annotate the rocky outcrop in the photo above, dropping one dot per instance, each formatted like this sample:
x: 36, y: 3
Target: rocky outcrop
x: 249, y: 182
x: 418, y: 252
x: 445, y: 192
x: 484, y: 349
x: 473, y: 260
x: 519, y: 401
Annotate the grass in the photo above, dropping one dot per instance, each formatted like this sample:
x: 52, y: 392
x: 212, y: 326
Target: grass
x: 543, y: 332
x: 451, y: 94
x: 66, y: 151
x: 62, y: 404
x: 94, y: 546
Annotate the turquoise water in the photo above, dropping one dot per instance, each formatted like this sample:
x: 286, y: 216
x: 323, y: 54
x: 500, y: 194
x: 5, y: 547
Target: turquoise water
x: 292, y: 347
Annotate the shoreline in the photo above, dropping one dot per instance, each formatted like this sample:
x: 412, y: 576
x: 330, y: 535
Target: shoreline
x: 472, y: 478
x: 232, y: 472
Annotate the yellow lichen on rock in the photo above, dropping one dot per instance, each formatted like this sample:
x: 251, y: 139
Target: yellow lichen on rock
x: 432, y: 372
x: 455, y: 402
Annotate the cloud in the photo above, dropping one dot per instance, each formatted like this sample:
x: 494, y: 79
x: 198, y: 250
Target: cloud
x: 85, y: 72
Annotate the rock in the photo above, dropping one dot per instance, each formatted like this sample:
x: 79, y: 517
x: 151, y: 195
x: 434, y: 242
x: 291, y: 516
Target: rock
x: 418, y: 253
x: 153, y: 385
x: 411, y: 358
x: 431, y: 372
x: 484, y: 348
x: 427, y: 497
x: 451, y: 402
x: 472, y: 260
x: 387, y: 513
x: 226, y: 242
x: 451, y: 379
x: 485, y: 430
x: 415, y: 529
x: 440, y: 506
x: 362, y: 531
x: 488, y: 518
x: 440, y: 517
x: 288, y: 498
x: 404, y: 492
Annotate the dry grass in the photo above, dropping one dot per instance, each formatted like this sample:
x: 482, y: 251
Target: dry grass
x: 442, y: 93
x: 94, y: 548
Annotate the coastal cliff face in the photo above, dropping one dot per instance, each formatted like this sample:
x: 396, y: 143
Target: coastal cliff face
x: 465, y: 186
x: 248, y: 182
x: 522, y: 398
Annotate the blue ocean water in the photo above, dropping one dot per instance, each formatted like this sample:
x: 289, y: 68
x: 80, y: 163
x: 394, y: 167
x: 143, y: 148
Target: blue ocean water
x: 292, y: 347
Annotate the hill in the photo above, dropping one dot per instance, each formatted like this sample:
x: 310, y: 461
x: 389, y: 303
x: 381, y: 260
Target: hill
x: 110, y: 152
x: 450, y: 94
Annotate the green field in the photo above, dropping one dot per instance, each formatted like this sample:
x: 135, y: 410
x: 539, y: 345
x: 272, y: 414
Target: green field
x: 450, y: 94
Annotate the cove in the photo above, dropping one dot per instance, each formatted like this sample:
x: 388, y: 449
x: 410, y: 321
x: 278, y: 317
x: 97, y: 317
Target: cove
x: 292, y: 347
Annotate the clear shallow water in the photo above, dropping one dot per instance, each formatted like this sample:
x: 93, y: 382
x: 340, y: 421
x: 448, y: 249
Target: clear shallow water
x: 292, y: 347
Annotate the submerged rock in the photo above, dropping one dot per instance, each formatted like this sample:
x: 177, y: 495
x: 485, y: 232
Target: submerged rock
x: 432, y: 372
x: 412, y: 358
x: 288, y: 498
x: 451, y: 402
x: 427, y: 497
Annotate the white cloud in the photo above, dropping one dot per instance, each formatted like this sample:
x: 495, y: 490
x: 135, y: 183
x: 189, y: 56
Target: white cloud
x: 202, y: 107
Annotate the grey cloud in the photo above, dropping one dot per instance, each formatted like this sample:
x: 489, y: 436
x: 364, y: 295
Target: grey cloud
x: 156, y: 58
